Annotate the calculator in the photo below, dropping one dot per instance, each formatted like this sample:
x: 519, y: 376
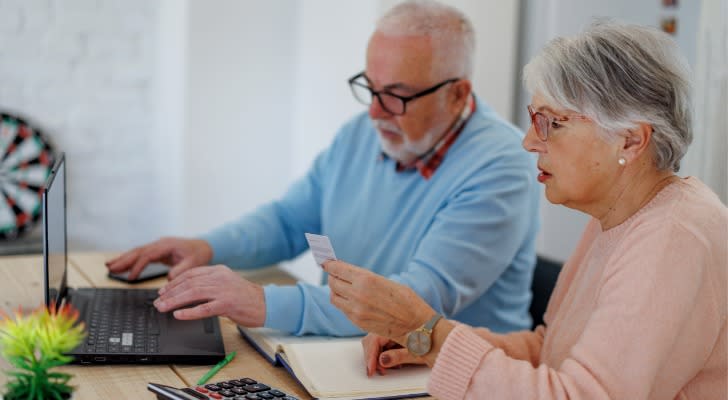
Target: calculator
x: 236, y: 389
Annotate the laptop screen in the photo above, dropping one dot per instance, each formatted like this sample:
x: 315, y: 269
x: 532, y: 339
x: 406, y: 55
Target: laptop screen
x: 54, y: 233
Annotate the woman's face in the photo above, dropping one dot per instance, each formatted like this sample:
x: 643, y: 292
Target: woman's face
x: 577, y: 167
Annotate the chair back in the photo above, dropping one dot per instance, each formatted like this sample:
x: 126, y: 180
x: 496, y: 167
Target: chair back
x: 544, y: 279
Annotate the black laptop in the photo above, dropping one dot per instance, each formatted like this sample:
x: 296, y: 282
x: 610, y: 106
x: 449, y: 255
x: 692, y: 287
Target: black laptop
x: 122, y: 324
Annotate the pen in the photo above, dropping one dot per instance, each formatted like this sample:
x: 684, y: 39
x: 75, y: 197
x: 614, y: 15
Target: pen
x: 216, y: 368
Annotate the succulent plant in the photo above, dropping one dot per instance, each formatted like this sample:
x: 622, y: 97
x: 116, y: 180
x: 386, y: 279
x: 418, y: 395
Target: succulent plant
x: 34, y: 344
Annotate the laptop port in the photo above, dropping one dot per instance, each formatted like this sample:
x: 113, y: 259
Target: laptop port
x: 100, y: 359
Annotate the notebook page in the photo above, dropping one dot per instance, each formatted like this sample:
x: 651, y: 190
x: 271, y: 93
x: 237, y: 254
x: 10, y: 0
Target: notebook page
x: 336, y: 369
x: 270, y: 341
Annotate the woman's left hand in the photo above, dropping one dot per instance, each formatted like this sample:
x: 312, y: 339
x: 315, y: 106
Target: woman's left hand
x: 374, y: 303
x: 382, y: 353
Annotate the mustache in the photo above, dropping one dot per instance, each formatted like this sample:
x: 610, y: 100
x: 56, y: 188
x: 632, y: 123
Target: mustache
x: 387, y: 126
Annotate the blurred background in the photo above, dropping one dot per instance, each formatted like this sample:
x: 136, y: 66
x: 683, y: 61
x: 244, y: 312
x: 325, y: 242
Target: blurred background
x: 178, y: 115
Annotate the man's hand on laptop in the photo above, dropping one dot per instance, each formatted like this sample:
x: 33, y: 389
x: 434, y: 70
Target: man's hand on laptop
x: 214, y: 291
x: 179, y: 253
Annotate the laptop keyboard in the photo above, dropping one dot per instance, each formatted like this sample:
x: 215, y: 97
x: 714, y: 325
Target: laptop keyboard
x: 123, y: 321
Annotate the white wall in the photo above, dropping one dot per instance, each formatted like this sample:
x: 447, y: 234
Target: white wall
x: 83, y: 72
x: 240, y: 63
x: 170, y: 88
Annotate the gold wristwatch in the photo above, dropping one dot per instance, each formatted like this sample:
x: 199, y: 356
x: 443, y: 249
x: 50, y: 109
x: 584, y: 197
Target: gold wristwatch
x: 419, y: 341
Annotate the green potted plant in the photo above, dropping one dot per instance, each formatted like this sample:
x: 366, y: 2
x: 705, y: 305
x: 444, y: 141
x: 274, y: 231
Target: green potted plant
x: 34, y: 344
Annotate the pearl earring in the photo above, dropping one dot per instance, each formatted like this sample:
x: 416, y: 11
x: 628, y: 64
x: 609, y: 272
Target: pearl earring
x: 622, y: 161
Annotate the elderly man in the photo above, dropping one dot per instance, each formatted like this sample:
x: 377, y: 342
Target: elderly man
x: 430, y: 189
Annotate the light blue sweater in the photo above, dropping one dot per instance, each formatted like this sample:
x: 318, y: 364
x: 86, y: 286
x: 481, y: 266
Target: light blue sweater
x: 463, y: 240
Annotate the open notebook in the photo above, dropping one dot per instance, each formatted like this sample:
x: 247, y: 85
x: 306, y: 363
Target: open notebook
x: 333, y: 368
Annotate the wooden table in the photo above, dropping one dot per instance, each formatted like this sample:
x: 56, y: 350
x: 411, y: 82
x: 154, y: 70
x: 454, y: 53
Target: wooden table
x: 21, y: 285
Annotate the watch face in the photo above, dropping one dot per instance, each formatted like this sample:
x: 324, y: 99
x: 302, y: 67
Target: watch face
x: 418, y: 343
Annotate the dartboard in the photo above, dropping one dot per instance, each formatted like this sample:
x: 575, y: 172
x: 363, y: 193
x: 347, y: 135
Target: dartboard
x: 26, y: 160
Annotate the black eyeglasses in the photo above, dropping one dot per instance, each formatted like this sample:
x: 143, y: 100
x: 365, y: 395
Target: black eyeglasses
x: 390, y: 102
x: 542, y: 122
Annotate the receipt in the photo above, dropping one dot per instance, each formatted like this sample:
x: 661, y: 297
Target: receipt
x: 320, y: 247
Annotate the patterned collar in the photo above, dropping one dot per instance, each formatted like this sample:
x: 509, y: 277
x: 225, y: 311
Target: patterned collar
x: 428, y: 162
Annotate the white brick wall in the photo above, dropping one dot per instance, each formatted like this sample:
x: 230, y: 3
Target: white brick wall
x: 83, y: 71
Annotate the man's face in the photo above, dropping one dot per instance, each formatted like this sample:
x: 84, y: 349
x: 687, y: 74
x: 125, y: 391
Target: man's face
x: 402, y: 65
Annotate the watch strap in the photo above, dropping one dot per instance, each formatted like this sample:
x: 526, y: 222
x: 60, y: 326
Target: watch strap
x: 431, y: 323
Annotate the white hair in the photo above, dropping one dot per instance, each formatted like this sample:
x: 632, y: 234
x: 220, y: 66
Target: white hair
x: 451, y: 32
x: 620, y: 75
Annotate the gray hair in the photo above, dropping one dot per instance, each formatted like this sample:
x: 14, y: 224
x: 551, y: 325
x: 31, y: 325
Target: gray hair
x: 451, y: 31
x: 620, y: 75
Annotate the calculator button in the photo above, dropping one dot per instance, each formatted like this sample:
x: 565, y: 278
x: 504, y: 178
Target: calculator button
x: 277, y: 393
x: 257, y: 387
x: 248, y: 381
x: 214, y: 388
x: 201, y: 389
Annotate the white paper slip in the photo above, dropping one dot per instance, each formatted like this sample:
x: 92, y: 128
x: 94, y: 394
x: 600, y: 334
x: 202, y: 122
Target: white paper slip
x: 320, y: 247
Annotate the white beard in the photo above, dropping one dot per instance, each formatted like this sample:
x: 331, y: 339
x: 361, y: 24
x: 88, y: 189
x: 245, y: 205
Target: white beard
x: 407, y: 150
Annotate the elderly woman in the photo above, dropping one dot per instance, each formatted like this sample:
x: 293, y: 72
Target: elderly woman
x: 639, y: 310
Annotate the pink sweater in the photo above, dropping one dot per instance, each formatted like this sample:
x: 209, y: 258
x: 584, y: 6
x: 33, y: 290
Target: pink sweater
x: 638, y: 312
